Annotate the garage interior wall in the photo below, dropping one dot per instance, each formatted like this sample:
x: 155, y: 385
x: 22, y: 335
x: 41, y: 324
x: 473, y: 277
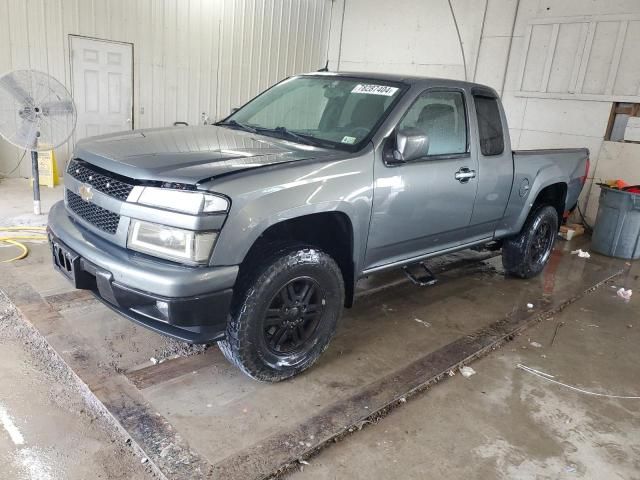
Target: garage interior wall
x: 190, y: 56
x: 558, y: 65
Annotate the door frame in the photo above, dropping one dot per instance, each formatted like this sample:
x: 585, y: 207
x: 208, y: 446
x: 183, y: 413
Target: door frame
x: 71, y: 36
x: 380, y: 162
x: 467, y: 125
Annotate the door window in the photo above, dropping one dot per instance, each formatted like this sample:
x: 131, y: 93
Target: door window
x: 441, y: 115
x: 489, y: 125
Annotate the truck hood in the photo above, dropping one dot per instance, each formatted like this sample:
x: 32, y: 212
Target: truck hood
x: 191, y: 154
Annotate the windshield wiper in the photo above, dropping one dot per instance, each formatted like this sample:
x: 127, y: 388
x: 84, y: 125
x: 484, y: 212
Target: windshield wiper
x: 300, y: 137
x: 241, y: 126
x: 282, y: 132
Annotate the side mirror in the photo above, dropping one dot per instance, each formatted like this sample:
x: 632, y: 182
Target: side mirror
x: 411, y: 144
x: 234, y: 110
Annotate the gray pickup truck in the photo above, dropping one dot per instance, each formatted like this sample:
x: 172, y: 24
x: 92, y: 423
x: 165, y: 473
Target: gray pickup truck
x: 254, y: 231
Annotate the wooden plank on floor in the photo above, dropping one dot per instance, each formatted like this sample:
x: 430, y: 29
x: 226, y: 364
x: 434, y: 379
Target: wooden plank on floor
x: 176, y: 367
x: 74, y: 298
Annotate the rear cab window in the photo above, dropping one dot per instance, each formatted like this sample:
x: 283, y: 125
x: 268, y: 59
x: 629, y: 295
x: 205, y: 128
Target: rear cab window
x: 491, y: 135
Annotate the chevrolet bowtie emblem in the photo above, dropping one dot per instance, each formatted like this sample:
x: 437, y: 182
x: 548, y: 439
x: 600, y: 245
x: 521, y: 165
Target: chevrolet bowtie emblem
x: 86, y: 192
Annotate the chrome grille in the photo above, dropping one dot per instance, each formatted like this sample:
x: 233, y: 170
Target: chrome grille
x: 101, y: 181
x: 99, y: 217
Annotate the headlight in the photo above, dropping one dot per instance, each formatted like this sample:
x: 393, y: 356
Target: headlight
x: 180, y: 200
x: 171, y: 243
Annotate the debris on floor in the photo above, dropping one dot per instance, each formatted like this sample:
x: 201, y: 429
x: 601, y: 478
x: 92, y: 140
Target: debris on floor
x: 467, y: 371
x: 581, y: 253
x: 535, y: 344
x: 172, y: 348
x: 624, y: 294
x: 386, y: 308
x: 426, y: 324
x: 571, y: 230
x: 529, y: 306
x: 555, y: 333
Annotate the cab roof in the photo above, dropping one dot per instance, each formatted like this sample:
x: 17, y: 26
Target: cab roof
x: 406, y: 79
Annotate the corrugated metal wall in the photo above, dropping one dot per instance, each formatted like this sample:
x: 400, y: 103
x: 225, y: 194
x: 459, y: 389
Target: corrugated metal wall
x: 190, y: 56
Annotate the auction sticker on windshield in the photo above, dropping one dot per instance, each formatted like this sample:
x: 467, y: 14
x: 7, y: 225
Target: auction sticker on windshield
x: 374, y: 89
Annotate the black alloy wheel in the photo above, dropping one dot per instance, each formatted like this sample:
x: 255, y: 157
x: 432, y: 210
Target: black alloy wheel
x: 525, y: 255
x: 293, y: 315
x: 541, y: 243
x: 286, y: 312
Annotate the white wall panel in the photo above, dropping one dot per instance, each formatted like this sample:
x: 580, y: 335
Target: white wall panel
x: 411, y: 37
x: 190, y: 56
x: 263, y: 41
x: 580, y: 56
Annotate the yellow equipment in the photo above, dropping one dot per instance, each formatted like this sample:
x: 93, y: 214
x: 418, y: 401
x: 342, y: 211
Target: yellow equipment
x: 23, y: 233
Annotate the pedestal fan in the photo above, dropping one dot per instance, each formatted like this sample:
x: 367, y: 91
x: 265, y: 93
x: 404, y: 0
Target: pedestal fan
x: 37, y: 113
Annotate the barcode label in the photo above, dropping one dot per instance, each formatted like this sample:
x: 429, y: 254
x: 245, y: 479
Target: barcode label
x: 374, y: 89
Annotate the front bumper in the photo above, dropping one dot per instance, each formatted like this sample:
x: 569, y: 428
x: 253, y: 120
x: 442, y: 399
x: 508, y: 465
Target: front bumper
x: 194, y: 301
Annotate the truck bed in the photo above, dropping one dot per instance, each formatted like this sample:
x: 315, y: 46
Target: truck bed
x: 570, y: 164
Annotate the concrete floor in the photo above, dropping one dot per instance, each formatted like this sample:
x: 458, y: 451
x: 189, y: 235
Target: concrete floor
x: 57, y: 431
x: 504, y: 423
x: 195, y: 414
x: 48, y: 428
x: 16, y: 199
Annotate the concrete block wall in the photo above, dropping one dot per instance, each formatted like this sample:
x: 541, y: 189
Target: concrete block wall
x: 539, y: 121
x: 375, y: 35
x: 528, y: 50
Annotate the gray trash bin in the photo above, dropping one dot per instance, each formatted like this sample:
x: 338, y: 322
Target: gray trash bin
x: 617, y: 227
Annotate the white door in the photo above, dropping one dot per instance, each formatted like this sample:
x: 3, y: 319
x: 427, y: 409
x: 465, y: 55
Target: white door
x: 102, y: 82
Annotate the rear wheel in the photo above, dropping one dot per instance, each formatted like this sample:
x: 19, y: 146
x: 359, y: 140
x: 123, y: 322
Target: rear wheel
x: 287, y: 314
x: 526, y: 254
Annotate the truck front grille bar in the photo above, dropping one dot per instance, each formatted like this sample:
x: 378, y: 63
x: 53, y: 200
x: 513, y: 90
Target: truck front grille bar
x: 90, y: 212
x: 99, y: 180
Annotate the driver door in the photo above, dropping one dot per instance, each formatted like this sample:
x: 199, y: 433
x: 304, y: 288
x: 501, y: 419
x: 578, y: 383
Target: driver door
x: 425, y: 205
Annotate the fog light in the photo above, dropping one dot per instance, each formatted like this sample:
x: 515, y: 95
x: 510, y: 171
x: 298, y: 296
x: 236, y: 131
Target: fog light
x: 163, y: 308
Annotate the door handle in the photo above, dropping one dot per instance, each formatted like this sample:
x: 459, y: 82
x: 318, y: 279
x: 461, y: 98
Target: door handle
x: 465, y: 174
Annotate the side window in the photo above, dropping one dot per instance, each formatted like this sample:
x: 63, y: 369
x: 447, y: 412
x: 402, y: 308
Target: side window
x: 441, y: 115
x: 489, y: 125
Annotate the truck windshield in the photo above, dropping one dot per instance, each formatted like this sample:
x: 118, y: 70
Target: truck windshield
x: 327, y: 112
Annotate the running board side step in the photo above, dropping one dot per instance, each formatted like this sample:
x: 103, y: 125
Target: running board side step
x: 421, y: 279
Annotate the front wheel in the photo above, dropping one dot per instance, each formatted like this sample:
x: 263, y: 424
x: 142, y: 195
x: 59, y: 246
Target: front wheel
x: 526, y: 254
x: 287, y: 315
